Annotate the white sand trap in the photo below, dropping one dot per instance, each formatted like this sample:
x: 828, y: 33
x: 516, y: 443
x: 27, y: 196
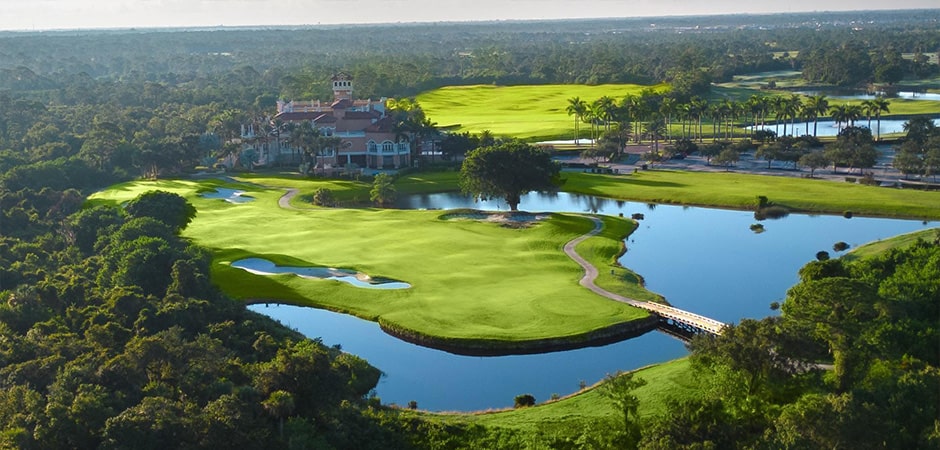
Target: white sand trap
x: 229, y: 195
x: 260, y: 266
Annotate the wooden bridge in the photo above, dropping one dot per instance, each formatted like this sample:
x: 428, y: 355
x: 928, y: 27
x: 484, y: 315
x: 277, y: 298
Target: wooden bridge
x: 684, y: 322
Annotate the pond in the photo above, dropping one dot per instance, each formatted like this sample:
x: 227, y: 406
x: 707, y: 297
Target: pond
x: 828, y: 127
x: 707, y: 261
x: 854, y: 94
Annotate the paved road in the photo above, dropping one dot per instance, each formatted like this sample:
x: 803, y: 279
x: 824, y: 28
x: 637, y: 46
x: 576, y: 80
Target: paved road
x: 590, y: 275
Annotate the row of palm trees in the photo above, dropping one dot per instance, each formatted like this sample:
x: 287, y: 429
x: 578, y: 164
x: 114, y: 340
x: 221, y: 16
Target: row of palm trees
x: 658, y: 112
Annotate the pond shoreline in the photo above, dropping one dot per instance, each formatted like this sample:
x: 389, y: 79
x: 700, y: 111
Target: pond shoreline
x: 500, y: 347
x: 497, y: 347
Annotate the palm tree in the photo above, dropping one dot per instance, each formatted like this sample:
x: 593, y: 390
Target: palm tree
x: 794, y: 104
x: 733, y: 110
x: 839, y: 114
x: 853, y: 113
x: 754, y: 105
x: 593, y: 114
x: 881, y: 105
x: 868, y: 108
x: 577, y: 108
x: 667, y: 108
x: 700, y: 108
x: 654, y: 129
x: 817, y: 105
x: 778, y: 106
x: 606, y: 106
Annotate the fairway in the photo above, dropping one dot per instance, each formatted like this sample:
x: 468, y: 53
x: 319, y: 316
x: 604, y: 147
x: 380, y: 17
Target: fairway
x: 538, y: 112
x: 531, y: 112
x: 472, y: 281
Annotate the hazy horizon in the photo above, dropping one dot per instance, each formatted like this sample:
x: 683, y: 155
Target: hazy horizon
x: 21, y: 15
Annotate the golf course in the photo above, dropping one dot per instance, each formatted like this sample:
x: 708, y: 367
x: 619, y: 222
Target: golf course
x: 474, y: 283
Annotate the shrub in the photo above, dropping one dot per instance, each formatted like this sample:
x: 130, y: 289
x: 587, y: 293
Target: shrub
x: 840, y: 246
x: 523, y: 400
x: 848, y: 214
x: 822, y: 255
x: 324, y: 197
x: 757, y: 228
x: 869, y: 179
x: 762, y: 201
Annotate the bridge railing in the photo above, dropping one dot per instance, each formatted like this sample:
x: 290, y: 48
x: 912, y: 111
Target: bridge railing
x: 679, y: 315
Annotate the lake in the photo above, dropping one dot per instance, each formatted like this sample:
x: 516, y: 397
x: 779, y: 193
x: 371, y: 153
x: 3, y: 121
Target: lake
x: 707, y: 261
x: 828, y: 127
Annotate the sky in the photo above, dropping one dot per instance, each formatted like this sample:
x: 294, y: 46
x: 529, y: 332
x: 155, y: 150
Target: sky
x: 70, y: 14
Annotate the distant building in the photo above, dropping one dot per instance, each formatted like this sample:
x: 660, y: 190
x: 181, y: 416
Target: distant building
x: 368, y: 138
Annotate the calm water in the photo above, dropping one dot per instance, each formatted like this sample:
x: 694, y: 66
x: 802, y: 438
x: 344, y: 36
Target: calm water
x: 828, y: 127
x: 705, y: 260
x: 851, y: 94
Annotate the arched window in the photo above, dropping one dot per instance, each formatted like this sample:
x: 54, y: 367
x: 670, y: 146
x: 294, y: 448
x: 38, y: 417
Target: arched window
x: 372, y: 147
x: 388, y: 147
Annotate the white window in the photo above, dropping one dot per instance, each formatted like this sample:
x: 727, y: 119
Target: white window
x: 388, y: 147
x: 372, y: 147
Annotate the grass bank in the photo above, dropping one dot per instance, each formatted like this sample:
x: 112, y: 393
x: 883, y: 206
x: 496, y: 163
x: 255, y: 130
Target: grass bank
x: 901, y: 241
x: 739, y: 191
x: 673, y: 379
x: 471, y: 280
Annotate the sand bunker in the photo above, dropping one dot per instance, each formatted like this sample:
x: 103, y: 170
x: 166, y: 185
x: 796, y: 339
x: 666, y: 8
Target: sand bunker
x: 509, y: 219
x: 261, y: 266
x: 229, y: 195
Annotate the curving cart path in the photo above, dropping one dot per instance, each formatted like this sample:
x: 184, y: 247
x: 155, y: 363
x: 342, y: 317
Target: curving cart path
x: 590, y: 275
x: 284, y: 201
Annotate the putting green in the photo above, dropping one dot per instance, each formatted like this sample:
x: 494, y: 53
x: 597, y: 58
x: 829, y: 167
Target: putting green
x: 471, y: 280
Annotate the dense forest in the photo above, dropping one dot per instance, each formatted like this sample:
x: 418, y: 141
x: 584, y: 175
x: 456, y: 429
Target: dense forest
x: 112, y: 335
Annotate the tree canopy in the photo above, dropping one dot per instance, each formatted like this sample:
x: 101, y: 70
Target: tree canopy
x: 508, y: 171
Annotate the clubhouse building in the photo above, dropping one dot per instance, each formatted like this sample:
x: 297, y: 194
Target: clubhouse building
x: 368, y: 139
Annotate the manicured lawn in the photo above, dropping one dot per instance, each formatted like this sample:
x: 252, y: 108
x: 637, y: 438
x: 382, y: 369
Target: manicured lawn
x: 734, y: 190
x: 900, y: 241
x: 672, y: 379
x: 471, y: 280
x: 533, y: 112
x: 537, y: 112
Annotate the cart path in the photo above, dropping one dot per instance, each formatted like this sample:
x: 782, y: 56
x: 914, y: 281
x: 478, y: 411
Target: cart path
x: 284, y: 201
x: 668, y: 312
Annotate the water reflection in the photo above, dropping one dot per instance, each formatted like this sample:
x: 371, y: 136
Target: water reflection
x: 829, y: 128
x: 440, y: 381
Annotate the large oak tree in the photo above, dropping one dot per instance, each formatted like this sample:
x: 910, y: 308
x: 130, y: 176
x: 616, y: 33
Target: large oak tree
x: 508, y: 171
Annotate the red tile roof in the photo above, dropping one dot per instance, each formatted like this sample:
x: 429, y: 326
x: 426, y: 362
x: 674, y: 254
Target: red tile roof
x: 384, y: 125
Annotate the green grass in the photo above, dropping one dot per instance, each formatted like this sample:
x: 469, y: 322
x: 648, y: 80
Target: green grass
x: 900, y: 241
x: 471, y: 280
x: 533, y: 112
x: 672, y: 379
x: 537, y: 112
x: 734, y: 190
